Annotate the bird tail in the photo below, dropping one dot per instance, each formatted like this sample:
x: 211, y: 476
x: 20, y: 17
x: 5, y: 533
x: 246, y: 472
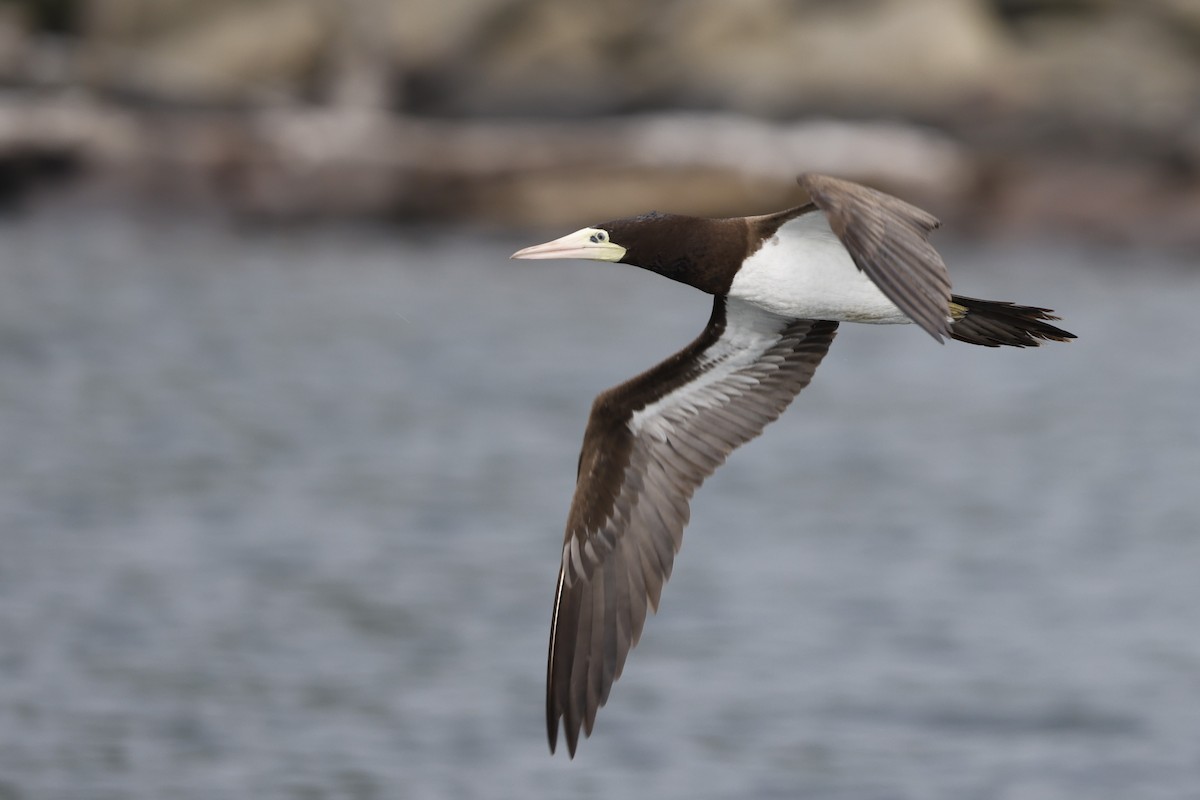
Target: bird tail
x: 992, y: 323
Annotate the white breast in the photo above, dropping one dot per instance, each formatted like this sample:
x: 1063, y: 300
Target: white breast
x: 804, y: 272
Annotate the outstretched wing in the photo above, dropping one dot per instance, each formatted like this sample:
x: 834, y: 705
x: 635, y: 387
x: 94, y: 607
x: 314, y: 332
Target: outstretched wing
x: 889, y: 241
x: 649, y: 443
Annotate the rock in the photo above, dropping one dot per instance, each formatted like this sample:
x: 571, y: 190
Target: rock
x: 1181, y: 15
x: 124, y: 23
x: 1119, y: 70
x: 561, y: 58
x: 758, y: 56
x: 648, y: 102
x: 774, y: 57
x: 426, y: 33
x: 14, y: 42
x: 1112, y: 202
x: 253, y: 51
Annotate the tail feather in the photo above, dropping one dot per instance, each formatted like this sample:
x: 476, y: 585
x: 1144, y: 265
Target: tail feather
x: 992, y: 323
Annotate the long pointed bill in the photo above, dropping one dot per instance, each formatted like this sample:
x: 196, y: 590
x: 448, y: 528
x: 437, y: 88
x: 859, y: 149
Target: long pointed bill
x: 590, y: 243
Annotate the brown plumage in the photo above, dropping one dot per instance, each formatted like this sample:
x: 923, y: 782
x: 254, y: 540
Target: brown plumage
x: 651, y: 441
x: 641, y: 484
x: 888, y: 240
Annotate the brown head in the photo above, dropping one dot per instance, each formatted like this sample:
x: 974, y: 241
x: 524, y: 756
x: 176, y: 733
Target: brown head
x: 704, y: 253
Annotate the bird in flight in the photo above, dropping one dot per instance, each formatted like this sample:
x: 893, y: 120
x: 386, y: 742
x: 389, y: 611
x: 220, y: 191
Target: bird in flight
x: 780, y: 283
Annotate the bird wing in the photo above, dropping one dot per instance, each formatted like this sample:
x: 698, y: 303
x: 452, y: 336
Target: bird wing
x: 889, y: 241
x: 649, y: 443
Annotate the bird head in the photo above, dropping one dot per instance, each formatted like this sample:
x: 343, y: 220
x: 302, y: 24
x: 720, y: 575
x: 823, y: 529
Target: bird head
x: 686, y: 249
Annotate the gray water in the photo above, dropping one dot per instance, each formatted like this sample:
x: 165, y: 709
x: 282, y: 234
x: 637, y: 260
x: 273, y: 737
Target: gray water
x: 281, y: 512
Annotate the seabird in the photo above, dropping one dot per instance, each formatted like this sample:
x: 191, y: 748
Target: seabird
x: 780, y: 283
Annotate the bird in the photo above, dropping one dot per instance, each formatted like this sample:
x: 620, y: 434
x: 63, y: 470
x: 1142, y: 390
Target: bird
x: 781, y: 284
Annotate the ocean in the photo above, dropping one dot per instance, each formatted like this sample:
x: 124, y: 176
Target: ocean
x: 281, y: 508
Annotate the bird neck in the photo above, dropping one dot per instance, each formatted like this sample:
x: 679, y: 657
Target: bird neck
x: 704, y: 253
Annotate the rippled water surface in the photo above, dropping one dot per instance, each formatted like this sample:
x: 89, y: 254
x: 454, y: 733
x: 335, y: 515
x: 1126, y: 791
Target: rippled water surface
x: 281, y: 512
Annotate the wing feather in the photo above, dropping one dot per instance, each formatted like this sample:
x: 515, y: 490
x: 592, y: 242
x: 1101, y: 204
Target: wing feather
x: 888, y: 240
x: 649, y: 444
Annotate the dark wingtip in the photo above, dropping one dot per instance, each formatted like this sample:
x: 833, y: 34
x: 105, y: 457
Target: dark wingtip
x: 572, y: 734
x: 572, y: 740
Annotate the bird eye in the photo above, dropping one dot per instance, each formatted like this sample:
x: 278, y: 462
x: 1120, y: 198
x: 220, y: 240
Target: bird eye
x: 598, y: 236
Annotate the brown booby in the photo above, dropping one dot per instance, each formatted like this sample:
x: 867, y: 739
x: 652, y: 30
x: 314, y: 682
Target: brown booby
x: 781, y: 283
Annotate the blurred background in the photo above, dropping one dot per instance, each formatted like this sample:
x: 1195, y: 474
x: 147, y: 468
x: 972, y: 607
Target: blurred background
x: 289, y: 442
x: 1075, y: 116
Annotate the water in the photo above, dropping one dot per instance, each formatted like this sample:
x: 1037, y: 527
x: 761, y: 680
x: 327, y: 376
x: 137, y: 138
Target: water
x: 281, y: 511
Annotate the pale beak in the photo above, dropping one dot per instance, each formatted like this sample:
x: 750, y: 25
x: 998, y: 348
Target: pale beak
x: 590, y: 243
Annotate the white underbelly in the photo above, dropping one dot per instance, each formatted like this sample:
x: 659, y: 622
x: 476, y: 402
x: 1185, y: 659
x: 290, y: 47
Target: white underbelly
x: 804, y: 272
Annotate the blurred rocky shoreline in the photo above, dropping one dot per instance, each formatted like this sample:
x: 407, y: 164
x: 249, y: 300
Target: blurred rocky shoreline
x: 1041, y: 117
